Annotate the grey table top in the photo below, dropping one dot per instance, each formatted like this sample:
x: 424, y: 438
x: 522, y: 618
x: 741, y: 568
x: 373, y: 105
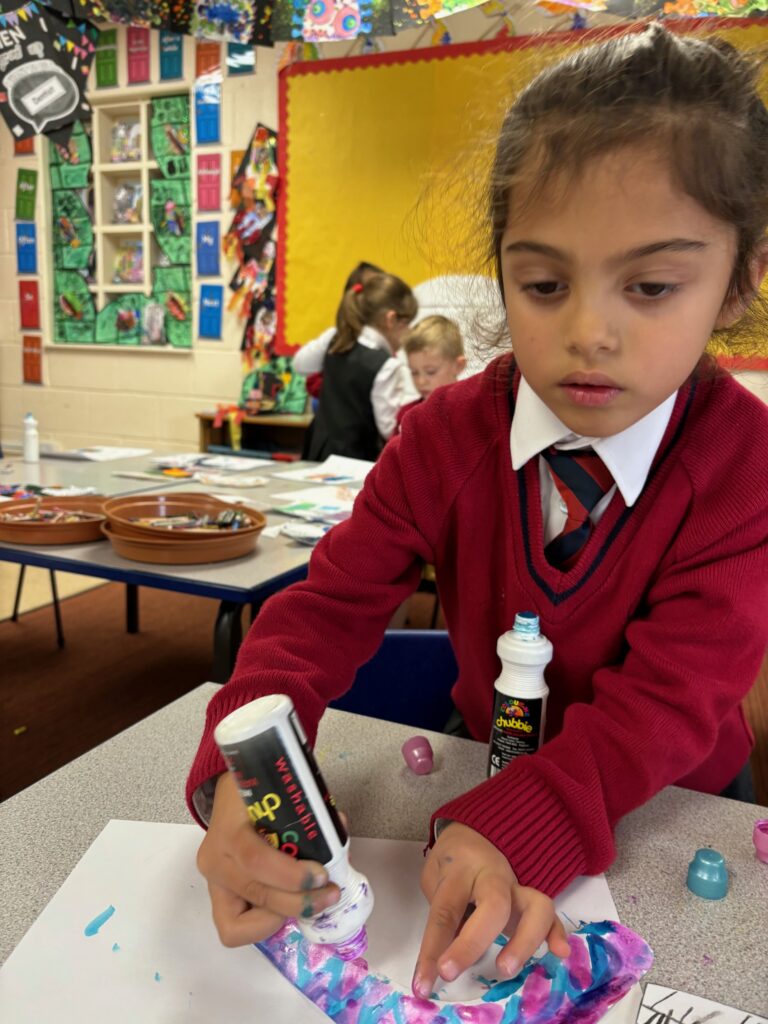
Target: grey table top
x: 275, y: 558
x: 71, y: 473
x: 716, y: 950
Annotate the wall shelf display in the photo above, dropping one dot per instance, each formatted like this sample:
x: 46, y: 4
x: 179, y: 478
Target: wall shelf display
x: 120, y: 206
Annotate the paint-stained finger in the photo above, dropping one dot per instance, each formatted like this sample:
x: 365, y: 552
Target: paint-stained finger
x: 536, y: 921
x: 478, y: 931
x: 446, y: 911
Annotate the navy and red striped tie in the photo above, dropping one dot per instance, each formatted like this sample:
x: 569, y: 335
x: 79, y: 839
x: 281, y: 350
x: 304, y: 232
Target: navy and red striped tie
x: 582, y: 479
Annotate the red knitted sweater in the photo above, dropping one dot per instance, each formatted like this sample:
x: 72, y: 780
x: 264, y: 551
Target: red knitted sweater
x: 658, y: 631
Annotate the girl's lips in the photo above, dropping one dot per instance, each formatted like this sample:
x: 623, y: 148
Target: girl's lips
x: 591, y: 394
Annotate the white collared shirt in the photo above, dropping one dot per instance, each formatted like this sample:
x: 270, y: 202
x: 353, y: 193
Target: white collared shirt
x: 392, y: 387
x: 628, y: 455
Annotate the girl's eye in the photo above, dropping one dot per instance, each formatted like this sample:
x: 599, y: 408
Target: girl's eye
x: 544, y: 289
x: 652, y: 289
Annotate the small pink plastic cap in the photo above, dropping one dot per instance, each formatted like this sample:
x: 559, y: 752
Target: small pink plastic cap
x: 760, y: 839
x: 418, y: 755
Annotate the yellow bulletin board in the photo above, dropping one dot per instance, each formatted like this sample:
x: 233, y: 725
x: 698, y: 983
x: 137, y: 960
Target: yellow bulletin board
x: 383, y: 158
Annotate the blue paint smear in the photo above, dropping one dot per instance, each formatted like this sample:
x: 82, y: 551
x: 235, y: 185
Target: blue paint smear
x: 157, y: 976
x: 115, y: 948
x: 500, y: 940
x: 92, y: 927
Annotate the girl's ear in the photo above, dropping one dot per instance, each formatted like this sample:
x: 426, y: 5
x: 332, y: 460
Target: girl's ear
x: 735, y: 306
x: 461, y: 362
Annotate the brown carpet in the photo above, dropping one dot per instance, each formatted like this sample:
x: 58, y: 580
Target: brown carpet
x: 68, y: 701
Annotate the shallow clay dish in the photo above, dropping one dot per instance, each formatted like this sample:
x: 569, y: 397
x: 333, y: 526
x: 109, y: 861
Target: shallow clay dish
x: 122, y: 513
x: 220, y: 547
x: 81, y: 532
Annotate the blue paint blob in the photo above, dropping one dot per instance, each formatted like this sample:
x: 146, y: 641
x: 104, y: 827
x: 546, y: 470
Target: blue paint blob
x: 157, y: 976
x: 93, y: 926
x: 115, y: 948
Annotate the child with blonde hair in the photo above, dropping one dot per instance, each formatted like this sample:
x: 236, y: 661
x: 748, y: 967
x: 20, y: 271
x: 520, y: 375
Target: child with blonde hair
x: 435, y: 353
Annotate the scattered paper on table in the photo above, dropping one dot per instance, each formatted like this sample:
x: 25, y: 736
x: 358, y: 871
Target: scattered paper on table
x: 668, y: 1006
x: 157, y: 957
x: 327, y: 504
x: 98, y: 453
x: 337, y: 469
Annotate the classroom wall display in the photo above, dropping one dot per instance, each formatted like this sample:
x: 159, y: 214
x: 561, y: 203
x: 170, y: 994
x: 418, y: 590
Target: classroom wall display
x: 269, y: 381
x: 410, y: 217
x: 241, y: 59
x: 26, y: 247
x: 140, y: 235
x: 44, y: 66
x: 24, y: 147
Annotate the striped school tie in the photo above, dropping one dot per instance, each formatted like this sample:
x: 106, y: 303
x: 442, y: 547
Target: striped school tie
x: 582, y: 479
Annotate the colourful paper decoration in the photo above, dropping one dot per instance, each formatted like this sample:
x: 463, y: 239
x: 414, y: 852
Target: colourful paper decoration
x: 26, y: 248
x: 29, y: 304
x: 32, y: 358
x: 171, y: 56
x: 137, y: 44
x: 241, y: 59
x: 26, y: 193
x: 106, y: 59
x: 209, y: 181
x: 211, y: 309
x: 207, y: 245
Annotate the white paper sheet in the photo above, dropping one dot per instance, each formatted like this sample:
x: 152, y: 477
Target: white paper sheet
x: 668, y: 1006
x: 337, y: 469
x: 98, y: 453
x: 157, y: 958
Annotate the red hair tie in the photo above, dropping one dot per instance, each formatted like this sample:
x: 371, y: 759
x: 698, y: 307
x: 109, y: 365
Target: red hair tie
x: 357, y: 288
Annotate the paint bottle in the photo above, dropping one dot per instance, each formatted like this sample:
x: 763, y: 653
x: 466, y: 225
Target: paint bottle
x: 266, y: 749
x: 520, y: 704
x: 31, y: 439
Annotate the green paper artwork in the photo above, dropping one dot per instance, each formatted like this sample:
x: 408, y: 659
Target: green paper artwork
x: 70, y: 165
x: 26, y: 193
x: 169, y: 131
x: 170, y: 211
x: 74, y: 315
x: 120, y: 321
x: 72, y: 231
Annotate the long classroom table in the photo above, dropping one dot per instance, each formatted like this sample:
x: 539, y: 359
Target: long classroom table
x: 249, y: 581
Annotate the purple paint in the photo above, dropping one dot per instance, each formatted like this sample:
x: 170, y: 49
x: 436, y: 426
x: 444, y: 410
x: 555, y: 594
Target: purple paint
x: 606, y: 959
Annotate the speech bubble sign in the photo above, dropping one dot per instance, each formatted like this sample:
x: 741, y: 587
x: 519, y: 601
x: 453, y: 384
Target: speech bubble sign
x: 40, y: 92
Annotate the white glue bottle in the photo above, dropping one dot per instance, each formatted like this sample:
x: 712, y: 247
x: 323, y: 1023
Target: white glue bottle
x: 266, y: 750
x: 31, y: 439
x: 520, y: 704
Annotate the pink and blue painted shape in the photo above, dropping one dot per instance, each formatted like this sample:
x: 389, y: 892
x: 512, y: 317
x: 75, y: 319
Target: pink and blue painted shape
x: 606, y: 960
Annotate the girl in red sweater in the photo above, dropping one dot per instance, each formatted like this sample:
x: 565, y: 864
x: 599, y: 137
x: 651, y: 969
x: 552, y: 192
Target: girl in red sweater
x: 628, y: 208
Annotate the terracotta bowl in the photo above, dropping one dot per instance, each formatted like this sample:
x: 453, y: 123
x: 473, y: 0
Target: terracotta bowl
x: 221, y: 547
x: 122, y: 513
x: 81, y: 532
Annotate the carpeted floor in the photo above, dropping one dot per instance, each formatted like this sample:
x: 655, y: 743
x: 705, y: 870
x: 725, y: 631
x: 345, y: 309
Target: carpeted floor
x: 57, y: 704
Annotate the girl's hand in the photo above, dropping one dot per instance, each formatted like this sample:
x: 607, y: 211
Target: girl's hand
x: 463, y: 868
x: 252, y: 886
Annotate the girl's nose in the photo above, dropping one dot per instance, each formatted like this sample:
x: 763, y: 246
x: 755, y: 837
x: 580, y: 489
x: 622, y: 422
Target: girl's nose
x: 590, y: 331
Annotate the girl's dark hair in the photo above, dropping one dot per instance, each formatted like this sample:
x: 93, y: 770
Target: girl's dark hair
x: 365, y: 302
x: 362, y: 271
x: 692, y: 99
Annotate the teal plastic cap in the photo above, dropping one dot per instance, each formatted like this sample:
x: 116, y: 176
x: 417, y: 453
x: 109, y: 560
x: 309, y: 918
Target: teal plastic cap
x: 708, y: 875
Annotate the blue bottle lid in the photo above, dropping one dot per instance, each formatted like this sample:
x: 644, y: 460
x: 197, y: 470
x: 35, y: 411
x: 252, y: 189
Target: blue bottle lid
x: 708, y: 875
